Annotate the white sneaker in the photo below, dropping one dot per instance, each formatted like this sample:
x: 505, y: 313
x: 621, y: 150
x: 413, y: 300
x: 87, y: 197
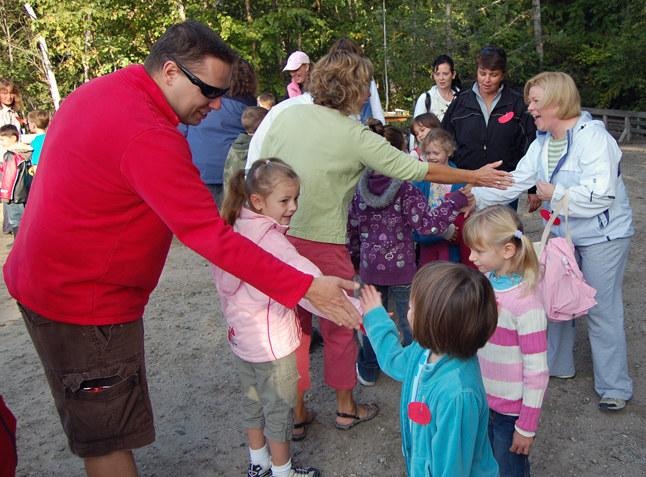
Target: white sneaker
x: 361, y: 380
x: 304, y: 471
x: 258, y: 471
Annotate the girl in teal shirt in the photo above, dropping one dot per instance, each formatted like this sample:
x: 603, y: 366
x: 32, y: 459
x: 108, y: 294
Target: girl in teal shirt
x: 444, y: 411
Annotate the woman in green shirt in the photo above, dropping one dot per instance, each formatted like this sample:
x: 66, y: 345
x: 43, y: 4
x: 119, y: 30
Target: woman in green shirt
x: 329, y: 151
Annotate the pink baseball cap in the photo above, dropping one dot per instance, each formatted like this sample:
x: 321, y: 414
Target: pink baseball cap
x: 295, y: 61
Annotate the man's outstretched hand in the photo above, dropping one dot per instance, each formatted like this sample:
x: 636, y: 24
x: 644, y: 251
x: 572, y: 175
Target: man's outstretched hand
x: 326, y: 295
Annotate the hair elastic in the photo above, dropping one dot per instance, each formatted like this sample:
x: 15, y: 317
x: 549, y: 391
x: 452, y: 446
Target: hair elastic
x: 518, y: 234
x: 267, y: 161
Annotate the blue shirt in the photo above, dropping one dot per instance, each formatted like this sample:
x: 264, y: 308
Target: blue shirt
x: 455, y: 442
x: 37, y: 144
x: 211, y: 140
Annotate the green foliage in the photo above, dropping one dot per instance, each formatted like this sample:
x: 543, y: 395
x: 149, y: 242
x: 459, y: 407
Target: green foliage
x: 596, y: 42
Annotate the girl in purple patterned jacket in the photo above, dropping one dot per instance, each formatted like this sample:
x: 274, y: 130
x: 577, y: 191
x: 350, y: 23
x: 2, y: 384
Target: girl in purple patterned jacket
x: 383, y: 215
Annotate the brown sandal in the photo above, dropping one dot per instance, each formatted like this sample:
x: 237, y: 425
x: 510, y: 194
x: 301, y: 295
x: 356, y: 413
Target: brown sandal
x: 371, y: 408
x: 303, y: 425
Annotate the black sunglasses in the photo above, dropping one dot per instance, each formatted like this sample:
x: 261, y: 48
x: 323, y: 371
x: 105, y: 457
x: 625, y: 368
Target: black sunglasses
x: 209, y: 91
x: 494, y: 49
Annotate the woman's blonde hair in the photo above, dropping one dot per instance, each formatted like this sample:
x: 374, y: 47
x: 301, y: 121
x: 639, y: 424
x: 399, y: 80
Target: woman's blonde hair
x: 6, y: 83
x: 262, y: 178
x: 338, y: 81
x: 560, y: 90
x: 499, y: 225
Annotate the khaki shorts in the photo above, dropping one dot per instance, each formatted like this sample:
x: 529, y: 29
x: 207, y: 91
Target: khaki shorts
x: 97, y: 375
x: 270, y: 396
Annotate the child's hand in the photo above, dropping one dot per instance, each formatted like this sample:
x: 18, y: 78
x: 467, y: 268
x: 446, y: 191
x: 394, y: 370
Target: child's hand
x: 456, y: 235
x: 521, y: 444
x: 370, y: 299
x: 471, y: 198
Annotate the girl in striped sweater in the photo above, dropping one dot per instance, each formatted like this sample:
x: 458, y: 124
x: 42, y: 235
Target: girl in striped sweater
x: 514, y: 361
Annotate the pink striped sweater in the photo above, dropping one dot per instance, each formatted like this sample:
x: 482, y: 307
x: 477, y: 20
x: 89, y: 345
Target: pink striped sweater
x: 514, y: 361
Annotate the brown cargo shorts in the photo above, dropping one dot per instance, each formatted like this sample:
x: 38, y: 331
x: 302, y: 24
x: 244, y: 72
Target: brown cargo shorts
x: 97, y: 375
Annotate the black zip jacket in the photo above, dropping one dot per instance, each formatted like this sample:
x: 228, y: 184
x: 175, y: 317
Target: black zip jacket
x: 507, y: 137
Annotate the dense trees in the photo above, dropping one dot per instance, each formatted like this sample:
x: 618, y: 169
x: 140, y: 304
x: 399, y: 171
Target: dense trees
x: 599, y: 42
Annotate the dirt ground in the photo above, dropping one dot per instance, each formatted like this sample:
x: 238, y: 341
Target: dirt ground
x: 195, y: 391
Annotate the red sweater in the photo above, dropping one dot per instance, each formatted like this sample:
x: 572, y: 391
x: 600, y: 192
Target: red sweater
x: 115, y: 182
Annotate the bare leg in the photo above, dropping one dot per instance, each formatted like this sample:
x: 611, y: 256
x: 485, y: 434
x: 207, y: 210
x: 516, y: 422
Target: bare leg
x: 300, y: 413
x: 256, y: 438
x: 280, y: 453
x: 345, y: 403
x: 116, y: 464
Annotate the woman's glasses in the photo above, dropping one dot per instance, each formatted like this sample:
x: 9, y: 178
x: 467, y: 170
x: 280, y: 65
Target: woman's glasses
x: 209, y: 91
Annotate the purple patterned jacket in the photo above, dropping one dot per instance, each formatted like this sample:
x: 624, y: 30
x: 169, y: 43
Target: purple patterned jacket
x: 383, y: 215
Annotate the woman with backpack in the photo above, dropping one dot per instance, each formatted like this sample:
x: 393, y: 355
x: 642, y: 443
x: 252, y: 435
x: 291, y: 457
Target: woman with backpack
x: 575, y: 153
x: 437, y: 99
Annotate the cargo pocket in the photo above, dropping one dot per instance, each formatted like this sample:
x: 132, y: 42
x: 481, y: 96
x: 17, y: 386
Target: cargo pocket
x: 106, y: 403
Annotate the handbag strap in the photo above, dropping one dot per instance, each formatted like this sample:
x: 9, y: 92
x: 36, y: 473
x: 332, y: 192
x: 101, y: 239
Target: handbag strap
x: 561, y: 204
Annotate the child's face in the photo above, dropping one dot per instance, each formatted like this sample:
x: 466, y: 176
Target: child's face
x: 281, y: 204
x: 420, y: 131
x: 434, y: 153
x: 495, y: 258
x: 7, y: 96
x: 6, y: 141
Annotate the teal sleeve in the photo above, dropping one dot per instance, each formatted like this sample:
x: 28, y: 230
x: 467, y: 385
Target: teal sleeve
x: 383, y: 334
x: 454, y: 444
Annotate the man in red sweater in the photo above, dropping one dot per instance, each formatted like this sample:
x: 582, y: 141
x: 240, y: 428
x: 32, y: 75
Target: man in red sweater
x: 115, y: 182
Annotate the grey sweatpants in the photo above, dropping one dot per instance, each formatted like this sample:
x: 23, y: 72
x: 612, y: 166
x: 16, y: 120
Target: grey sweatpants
x: 603, y: 266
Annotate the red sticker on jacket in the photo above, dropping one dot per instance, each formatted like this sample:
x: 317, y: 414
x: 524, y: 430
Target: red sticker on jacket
x: 506, y: 118
x: 419, y: 412
x: 547, y: 215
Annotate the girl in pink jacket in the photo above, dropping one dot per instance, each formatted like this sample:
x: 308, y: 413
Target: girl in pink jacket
x: 263, y: 334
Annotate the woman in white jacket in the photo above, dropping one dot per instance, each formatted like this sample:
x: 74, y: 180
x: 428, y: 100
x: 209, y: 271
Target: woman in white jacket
x: 437, y: 99
x: 574, y: 152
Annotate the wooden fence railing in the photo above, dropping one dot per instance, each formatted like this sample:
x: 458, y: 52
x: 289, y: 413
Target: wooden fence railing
x: 624, y: 124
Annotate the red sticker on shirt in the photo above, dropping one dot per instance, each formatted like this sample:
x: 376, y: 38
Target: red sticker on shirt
x: 419, y: 412
x: 547, y: 215
x: 506, y: 118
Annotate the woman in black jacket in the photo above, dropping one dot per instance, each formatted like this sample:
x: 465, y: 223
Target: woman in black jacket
x: 490, y: 122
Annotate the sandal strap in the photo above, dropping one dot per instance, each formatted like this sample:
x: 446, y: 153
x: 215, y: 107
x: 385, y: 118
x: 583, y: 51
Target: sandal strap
x: 349, y: 416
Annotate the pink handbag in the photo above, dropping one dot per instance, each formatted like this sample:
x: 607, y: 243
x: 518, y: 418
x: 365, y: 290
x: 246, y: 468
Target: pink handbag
x: 566, y: 295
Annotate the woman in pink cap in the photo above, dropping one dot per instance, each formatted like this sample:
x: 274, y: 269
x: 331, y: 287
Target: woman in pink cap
x: 298, y: 65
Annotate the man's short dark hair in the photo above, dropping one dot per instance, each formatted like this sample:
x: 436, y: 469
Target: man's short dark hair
x: 9, y: 130
x: 189, y: 43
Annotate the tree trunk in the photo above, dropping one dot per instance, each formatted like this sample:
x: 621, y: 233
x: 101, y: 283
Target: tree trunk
x: 180, y: 10
x: 53, y: 86
x: 538, y: 29
x: 86, y: 59
x: 8, y: 35
x: 247, y: 4
x: 385, y: 56
x: 449, y: 47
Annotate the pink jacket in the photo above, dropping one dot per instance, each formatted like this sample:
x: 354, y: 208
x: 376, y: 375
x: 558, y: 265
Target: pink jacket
x: 261, y: 329
x: 294, y: 89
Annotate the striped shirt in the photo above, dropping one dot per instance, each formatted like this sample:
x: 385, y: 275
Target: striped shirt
x: 555, y: 151
x: 514, y: 361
